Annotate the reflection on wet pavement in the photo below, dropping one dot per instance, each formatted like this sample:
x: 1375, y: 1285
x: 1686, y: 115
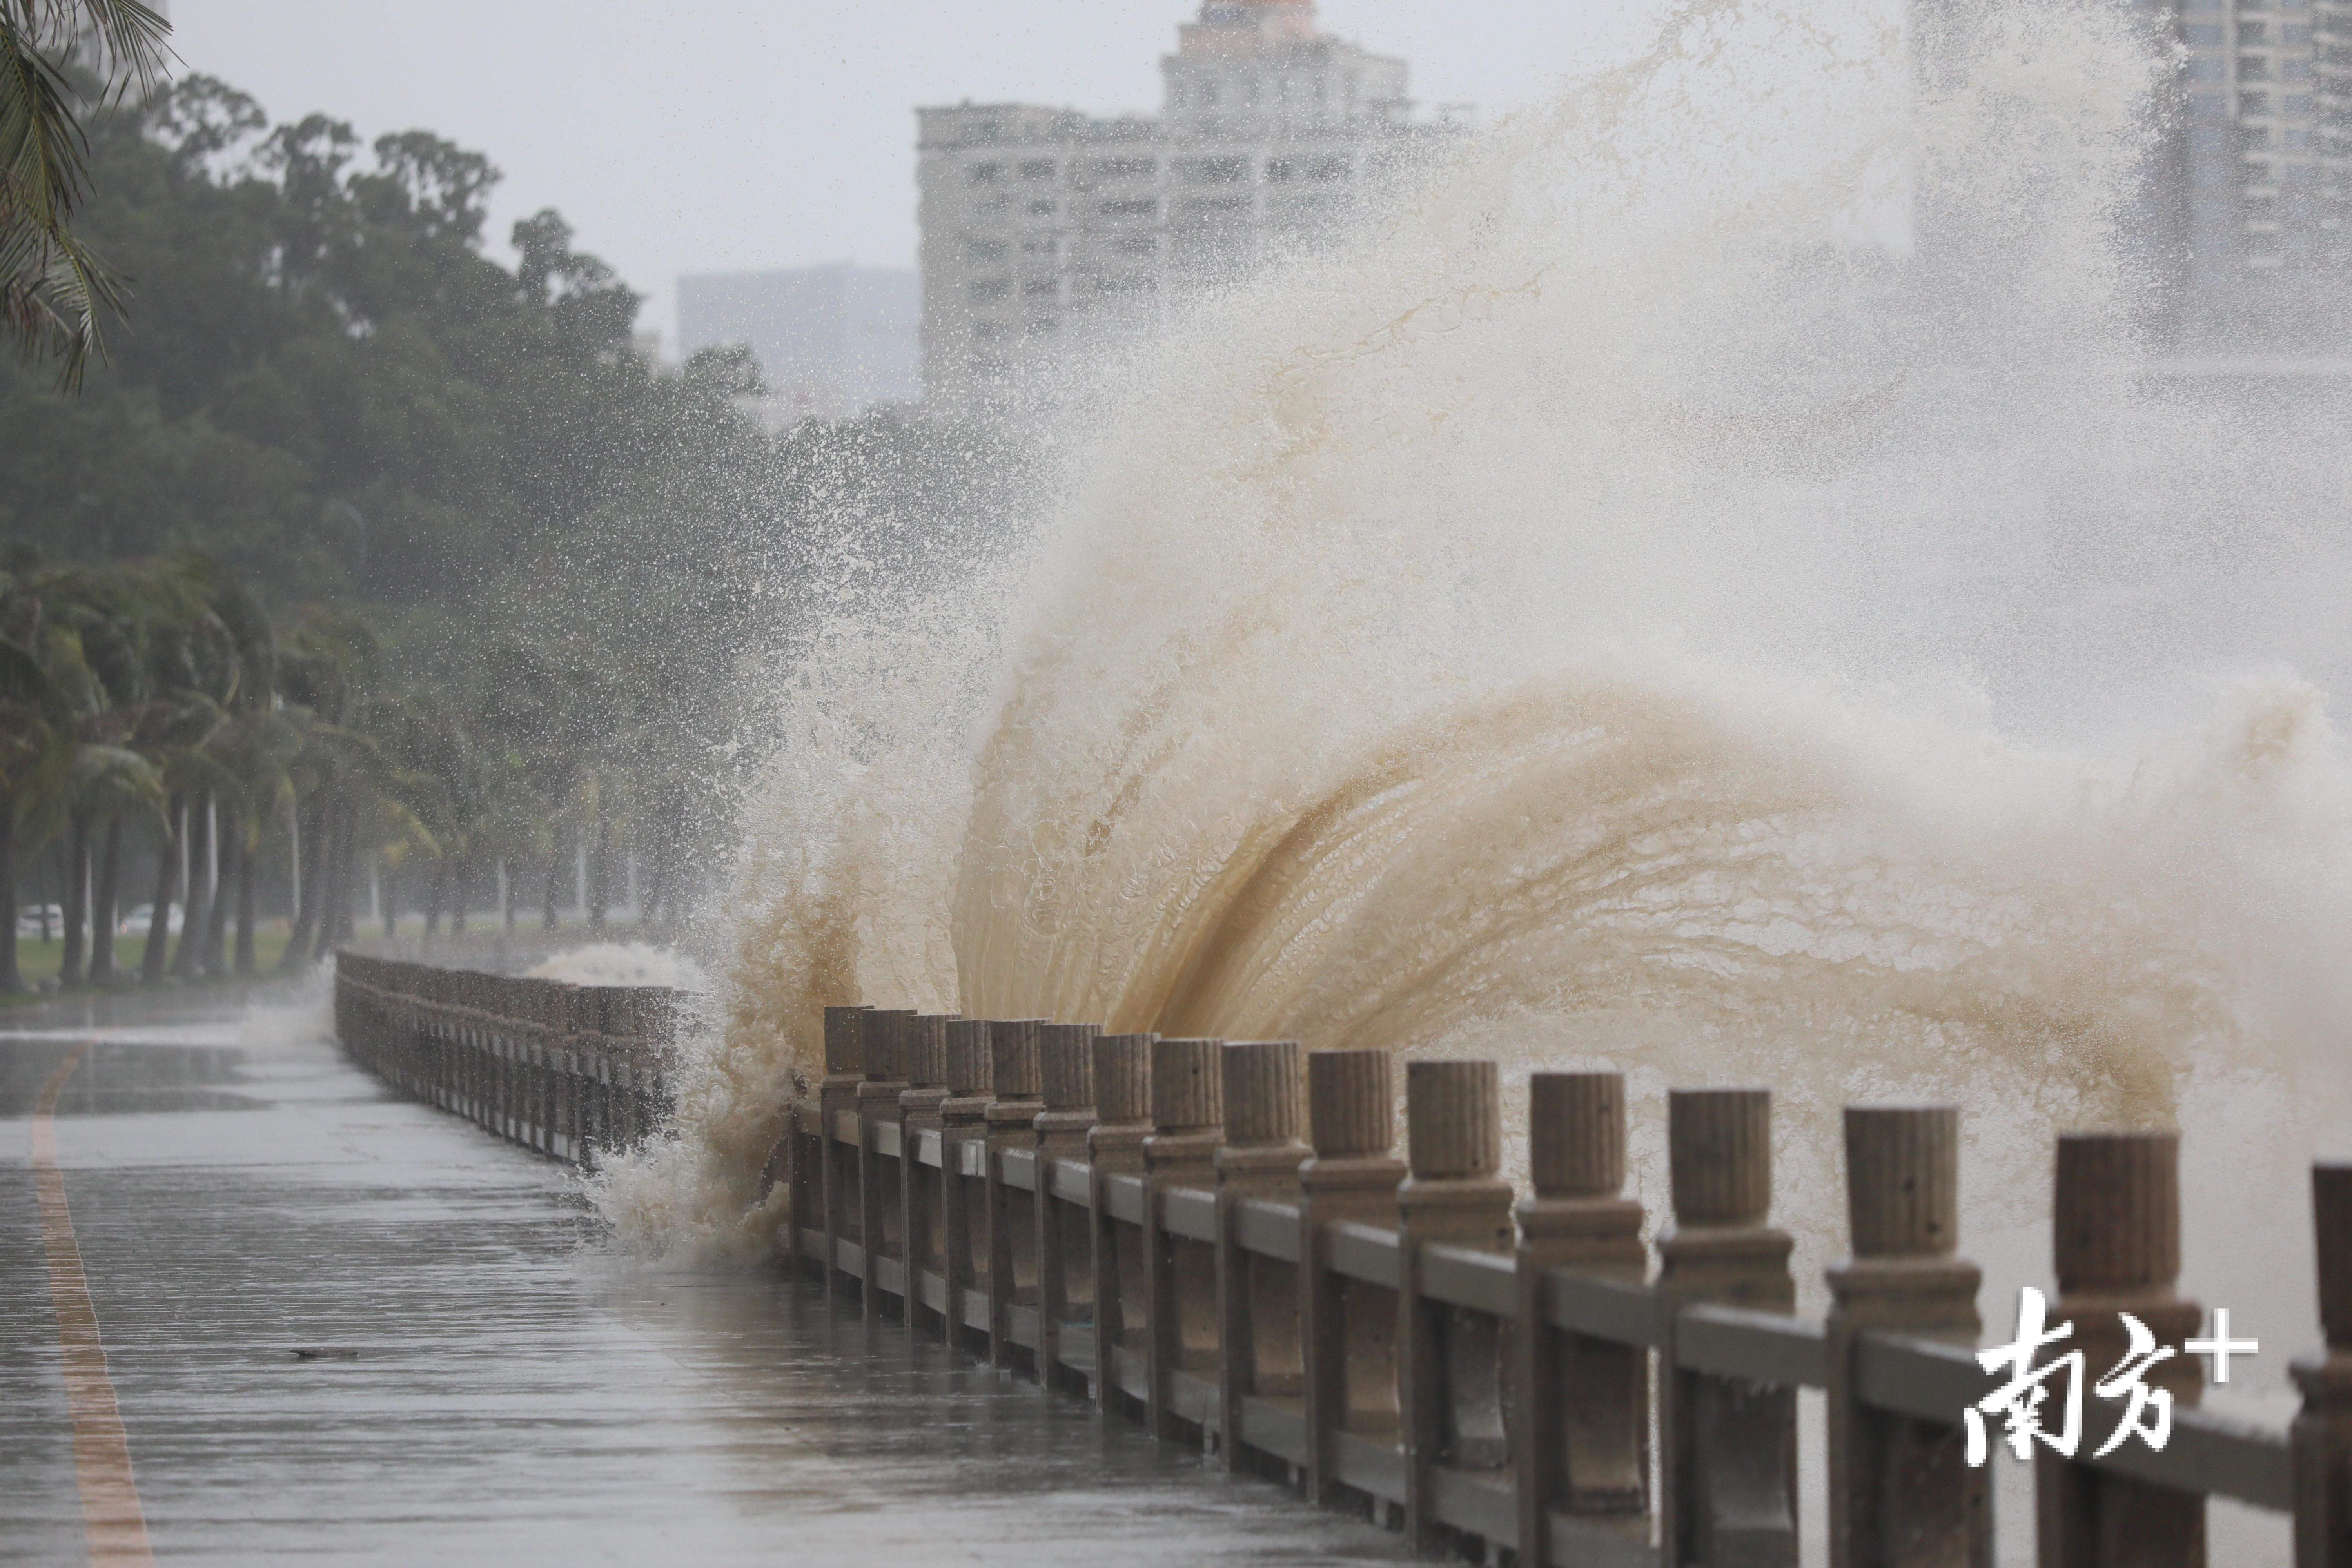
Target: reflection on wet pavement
x: 346, y: 1329
x: 123, y: 1077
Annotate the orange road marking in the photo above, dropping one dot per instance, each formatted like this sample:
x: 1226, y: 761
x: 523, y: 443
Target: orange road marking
x: 115, y: 1525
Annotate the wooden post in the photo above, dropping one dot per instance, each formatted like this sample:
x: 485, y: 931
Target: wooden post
x: 1728, y: 1446
x: 879, y: 1176
x: 922, y: 1189
x: 845, y: 1058
x: 1065, y: 1285
x: 1011, y: 1228
x: 1449, y: 1361
x: 1901, y: 1490
x: 1349, y: 1328
x: 2117, y: 1234
x: 1122, y: 1075
x: 2323, y: 1430
x: 963, y: 1121
x: 1581, y: 1437
x: 1188, y: 1118
x: 1257, y: 1296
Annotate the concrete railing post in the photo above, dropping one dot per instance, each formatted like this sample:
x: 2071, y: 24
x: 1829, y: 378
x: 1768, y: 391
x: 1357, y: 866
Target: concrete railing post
x: 2116, y: 1231
x: 592, y: 1010
x: 477, y: 1052
x: 612, y: 1083
x: 486, y: 1053
x: 2322, y: 1435
x: 1065, y: 1254
x: 963, y: 1142
x: 660, y: 1039
x: 518, y: 1041
x: 547, y: 1088
x: 836, y: 1099
x: 1011, y: 1224
x: 557, y: 1026
x: 1257, y: 1296
x: 608, y: 1115
x: 1728, y: 1455
x: 522, y: 1060
x: 612, y: 1020
x: 470, y: 1050
x: 1583, y: 1414
x: 555, y: 1066
x: 922, y: 1189
x: 1901, y: 1490
x: 486, y: 1066
x: 879, y: 1175
x: 523, y: 1078
x: 521, y: 1039
x: 1349, y: 1328
x: 1188, y: 1122
x: 1122, y: 1085
x: 1450, y: 1367
x: 493, y: 1041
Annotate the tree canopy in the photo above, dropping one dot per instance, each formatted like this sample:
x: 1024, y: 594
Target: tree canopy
x: 518, y: 570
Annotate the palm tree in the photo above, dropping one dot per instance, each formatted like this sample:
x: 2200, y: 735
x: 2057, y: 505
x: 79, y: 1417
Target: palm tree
x: 256, y: 749
x: 110, y: 613
x: 52, y: 287
x: 327, y: 671
x: 36, y: 736
x: 105, y: 783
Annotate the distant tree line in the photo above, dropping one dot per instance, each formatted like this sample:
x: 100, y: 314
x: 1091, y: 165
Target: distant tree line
x: 151, y: 712
x: 441, y: 569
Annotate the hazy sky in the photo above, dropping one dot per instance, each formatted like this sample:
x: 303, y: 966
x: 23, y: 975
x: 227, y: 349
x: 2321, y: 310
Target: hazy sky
x: 704, y: 136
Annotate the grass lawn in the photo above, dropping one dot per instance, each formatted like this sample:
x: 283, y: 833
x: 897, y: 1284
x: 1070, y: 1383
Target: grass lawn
x: 38, y: 960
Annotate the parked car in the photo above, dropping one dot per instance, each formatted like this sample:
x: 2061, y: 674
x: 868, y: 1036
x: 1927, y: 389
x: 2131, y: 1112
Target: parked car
x: 143, y: 916
x: 29, y: 922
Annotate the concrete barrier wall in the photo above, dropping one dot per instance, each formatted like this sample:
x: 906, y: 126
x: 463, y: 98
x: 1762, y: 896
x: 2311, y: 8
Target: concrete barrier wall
x: 1218, y: 1239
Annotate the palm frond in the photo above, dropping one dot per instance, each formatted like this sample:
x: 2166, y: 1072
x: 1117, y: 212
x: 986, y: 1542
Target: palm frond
x: 54, y: 291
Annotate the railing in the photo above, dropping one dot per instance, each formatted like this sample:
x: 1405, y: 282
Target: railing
x: 565, y: 1070
x: 1136, y: 1220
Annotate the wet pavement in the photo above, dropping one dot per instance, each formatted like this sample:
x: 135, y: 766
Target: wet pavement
x: 342, y: 1327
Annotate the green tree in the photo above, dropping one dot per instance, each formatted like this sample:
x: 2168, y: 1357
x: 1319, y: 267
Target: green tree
x: 37, y: 727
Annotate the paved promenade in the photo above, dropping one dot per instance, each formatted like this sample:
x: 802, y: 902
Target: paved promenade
x: 340, y: 1328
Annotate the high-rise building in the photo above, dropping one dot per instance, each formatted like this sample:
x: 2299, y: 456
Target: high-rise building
x: 1044, y: 229
x: 830, y: 340
x: 2268, y: 130
x: 2240, y: 219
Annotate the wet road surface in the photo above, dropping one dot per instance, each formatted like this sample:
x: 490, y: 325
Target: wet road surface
x: 342, y: 1327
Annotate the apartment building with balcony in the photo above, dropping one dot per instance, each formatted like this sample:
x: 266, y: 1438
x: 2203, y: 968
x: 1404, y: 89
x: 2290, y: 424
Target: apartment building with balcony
x: 1047, y: 230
